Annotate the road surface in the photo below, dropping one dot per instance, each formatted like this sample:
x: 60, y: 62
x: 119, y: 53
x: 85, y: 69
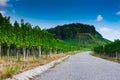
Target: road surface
x: 83, y: 66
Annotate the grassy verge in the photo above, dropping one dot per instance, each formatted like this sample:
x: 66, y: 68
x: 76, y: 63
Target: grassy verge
x: 11, y: 67
x: 74, y: 52
x: 106, y: 57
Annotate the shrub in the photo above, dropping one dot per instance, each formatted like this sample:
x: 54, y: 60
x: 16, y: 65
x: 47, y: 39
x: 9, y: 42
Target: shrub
x: 10, y: 70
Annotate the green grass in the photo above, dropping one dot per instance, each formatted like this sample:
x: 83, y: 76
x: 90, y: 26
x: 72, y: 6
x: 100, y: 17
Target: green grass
x: 86, y: 41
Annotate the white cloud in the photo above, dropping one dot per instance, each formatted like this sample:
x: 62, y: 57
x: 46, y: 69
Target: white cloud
x: 118, y: 13
x: 3, y: 3
x: 110, y: 33
x: 2, y: 12
x: 99, y: 18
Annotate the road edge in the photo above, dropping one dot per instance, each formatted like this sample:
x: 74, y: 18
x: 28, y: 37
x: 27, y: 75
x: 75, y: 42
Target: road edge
x: 30, y: 74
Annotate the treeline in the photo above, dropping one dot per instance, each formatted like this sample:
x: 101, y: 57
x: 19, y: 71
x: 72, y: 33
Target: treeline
x: 112, y: 49
x: 23, y: 38
x: 70, y: 31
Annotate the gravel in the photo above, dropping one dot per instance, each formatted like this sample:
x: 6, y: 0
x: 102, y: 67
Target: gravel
x: 83, y: 66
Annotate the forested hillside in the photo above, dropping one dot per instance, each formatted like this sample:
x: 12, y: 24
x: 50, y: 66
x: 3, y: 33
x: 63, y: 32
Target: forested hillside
x: 70, y: 31
x: 78, y: 34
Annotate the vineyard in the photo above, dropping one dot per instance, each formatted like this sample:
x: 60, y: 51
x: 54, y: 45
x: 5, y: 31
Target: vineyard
x: 112, y: 49
x: 25, y: 39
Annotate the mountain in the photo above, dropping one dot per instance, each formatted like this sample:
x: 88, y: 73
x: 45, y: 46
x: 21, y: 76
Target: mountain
x: 78, y: 34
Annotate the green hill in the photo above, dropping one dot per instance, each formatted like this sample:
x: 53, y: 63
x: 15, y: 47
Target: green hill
x: 79, y: 34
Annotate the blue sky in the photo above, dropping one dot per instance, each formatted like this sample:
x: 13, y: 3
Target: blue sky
x: 103, y: 14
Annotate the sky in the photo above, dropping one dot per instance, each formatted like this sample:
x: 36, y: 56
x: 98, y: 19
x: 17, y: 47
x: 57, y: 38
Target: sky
x: 103, y: 14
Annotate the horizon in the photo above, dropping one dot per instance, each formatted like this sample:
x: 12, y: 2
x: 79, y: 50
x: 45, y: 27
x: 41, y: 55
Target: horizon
x: 50, y: 13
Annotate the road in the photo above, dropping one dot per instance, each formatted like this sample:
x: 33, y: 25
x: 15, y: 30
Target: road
x: 83, y: 66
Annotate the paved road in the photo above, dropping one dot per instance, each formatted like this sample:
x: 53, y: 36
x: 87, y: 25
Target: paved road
x: 83, y: 66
